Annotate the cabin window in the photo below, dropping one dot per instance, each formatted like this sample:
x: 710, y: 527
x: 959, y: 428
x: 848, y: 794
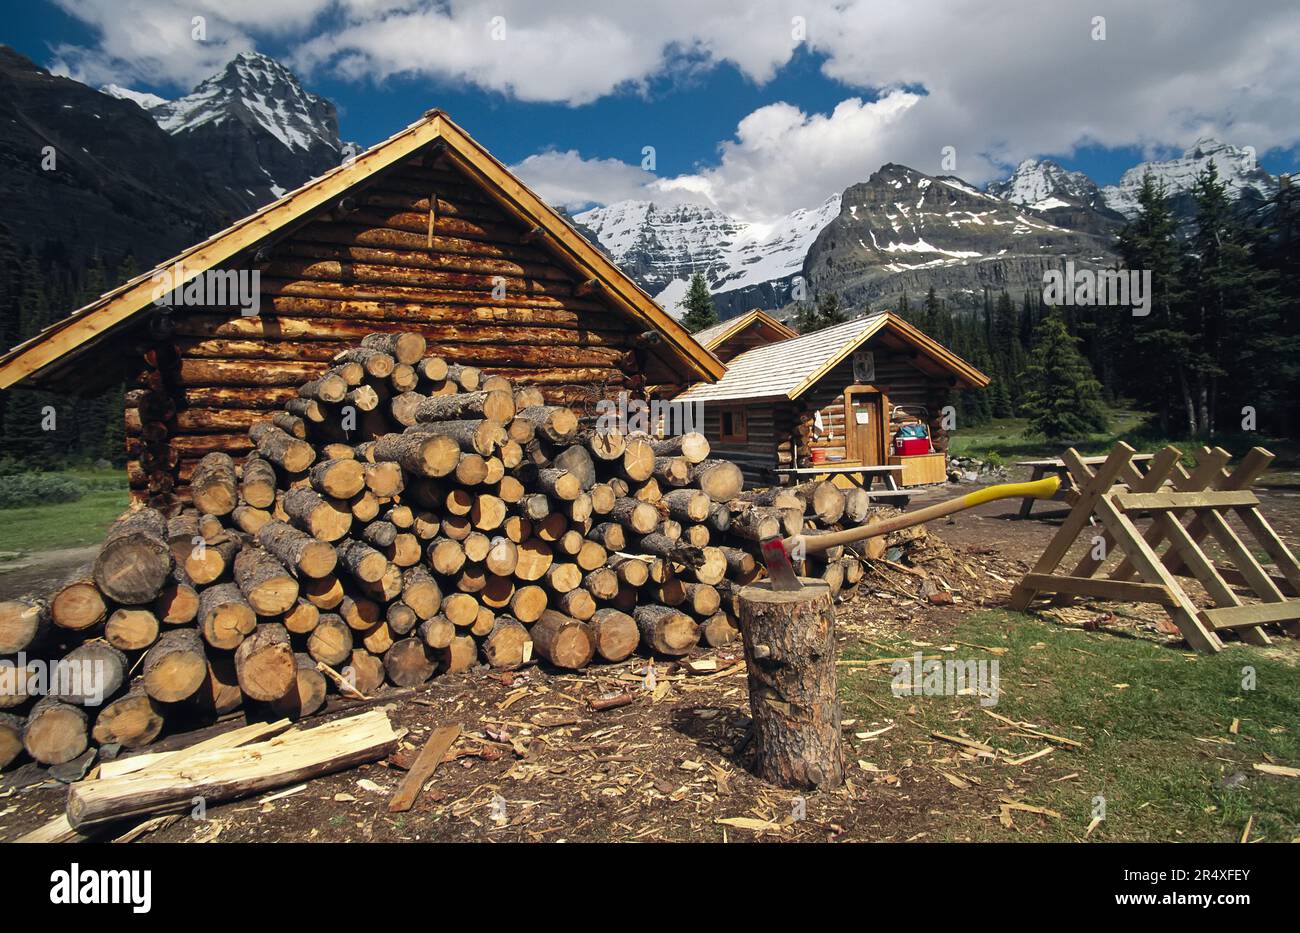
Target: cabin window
x: 735, y: 426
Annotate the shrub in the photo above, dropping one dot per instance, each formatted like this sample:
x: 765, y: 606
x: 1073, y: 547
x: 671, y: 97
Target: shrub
x: 23, y: 489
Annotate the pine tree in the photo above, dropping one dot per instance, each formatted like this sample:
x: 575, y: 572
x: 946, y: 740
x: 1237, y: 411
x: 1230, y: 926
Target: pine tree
x: 829, y: 312
x: 26, y: 439
x: 1233, y: 317
x: 1062, y: 398
x: 1152, y: 352
x: 698, y: 303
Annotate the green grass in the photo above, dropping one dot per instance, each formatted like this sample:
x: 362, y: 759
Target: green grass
x: 1159, y: 749
x: 1006, y: 438
x: 67, y: 524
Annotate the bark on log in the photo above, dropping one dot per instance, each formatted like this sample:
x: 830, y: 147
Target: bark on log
x: 285, y: 451
x: 562, y: 640
x: 225, y: 616
x: 269, y: 588
x: 89, y: 674
x: 665, y: 630
x: 339, y: 479
x: 497, y: 407
x: 135, y: 561
x: 214, y: 485
x: 405, y: 348
x: 557, y: 424
x: 133, y: 720
x: 430, y: 455
x: 11, y: 738
x: 298, y: 551
x: 789, y: 641
x: 22, y: 623
x: 409, y: 662
x: 324, y: 519
x: 614, y: 633
x: 721, y: 479
x: 508, y: 645
x: 692, y: 445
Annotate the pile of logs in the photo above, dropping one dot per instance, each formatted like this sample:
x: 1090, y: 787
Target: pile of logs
x: 403, y: 516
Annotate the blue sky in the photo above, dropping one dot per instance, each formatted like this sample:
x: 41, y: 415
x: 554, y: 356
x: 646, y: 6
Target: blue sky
x: 734, y: 105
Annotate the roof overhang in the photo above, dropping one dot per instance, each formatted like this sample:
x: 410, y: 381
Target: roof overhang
x: 85, y: 328
x: 963, y: 372
x: 757, y: 318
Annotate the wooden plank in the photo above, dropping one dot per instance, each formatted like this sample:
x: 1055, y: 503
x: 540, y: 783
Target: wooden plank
x: 430, y: 757
x: 1163, y: 501
x: 1184, y: 613
x: 1253, y: 615
x: 1206, y: 573
x: 1272, y: 545
x: 1208, y: 470
x: 224, y: 774
x: 1258, y: 581
x: 1250, y: 467
x: 1090, y: 491
x: 1100, y: 587
x: 1162, y: 464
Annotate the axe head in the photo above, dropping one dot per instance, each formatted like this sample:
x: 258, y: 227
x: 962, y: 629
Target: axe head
x: 779, y: 568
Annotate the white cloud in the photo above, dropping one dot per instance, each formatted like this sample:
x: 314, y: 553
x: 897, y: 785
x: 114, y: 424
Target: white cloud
x: 153, y: 41
x: 998, y: 81
x: 566, y: 179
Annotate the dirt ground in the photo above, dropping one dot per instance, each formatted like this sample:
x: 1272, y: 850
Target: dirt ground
x: 536, y: 763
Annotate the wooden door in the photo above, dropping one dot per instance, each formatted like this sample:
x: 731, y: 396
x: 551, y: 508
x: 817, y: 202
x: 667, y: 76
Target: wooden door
x: 864, y: 425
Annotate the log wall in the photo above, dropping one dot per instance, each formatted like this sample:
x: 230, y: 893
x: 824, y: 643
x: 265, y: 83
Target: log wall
x: 773, y: 438
x: 424, y: 249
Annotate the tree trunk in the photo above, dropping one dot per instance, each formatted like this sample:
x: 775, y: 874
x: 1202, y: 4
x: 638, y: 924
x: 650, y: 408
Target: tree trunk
x: 790, y: 657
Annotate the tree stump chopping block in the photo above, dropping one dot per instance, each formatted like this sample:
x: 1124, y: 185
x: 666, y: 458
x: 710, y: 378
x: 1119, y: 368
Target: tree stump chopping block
x: 790, y: 656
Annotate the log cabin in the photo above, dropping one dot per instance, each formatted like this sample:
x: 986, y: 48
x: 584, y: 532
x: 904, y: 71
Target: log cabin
x: 424, y: 232
x: 835, y: 397
x: 733, y: 337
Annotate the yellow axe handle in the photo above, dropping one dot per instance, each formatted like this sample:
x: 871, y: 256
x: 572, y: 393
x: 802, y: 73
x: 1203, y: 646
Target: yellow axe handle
x: 1039, y: 489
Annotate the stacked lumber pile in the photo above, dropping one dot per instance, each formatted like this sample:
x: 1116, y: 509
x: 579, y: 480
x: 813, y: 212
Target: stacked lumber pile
x: 403, y: 516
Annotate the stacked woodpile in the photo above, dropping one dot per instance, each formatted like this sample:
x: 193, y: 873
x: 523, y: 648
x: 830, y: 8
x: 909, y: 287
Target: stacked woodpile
x: 403, y: 516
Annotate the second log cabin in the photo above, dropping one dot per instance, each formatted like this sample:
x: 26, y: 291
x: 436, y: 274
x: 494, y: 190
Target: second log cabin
x: 424, y: 232
x: 835, y: 397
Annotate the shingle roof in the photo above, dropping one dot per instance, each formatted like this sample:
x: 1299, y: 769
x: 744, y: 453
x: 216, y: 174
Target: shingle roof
x: 713, y: 336
x: 789, y: 367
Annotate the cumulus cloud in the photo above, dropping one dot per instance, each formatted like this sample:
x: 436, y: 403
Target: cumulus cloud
x: 158, y: 43
x: 996, y: 81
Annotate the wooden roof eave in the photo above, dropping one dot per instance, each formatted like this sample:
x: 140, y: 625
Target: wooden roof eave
x: 114, y: 308
x: 76, y: 333
x: 756, y: 316
x: 941, y: 354
x: 526, y: 206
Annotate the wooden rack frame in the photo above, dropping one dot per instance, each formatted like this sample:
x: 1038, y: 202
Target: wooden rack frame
x: 1185, y: 508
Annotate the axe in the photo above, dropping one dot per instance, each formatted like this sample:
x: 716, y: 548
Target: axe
x: 776, y: 551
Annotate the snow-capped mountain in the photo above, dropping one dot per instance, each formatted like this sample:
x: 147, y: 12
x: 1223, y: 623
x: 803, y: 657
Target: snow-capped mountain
x: 253, y: 127
x: 746, y: 265
x: 1043, y: 184
x: 903, y: 231
x: 1246, y: 182
x: 1065, y: 198
x: 143, y: 99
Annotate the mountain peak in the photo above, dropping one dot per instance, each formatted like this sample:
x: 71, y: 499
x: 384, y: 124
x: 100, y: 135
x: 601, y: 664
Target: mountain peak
x: 1238, y: 170
x: 259, y: 92
x: 1043, y: 184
